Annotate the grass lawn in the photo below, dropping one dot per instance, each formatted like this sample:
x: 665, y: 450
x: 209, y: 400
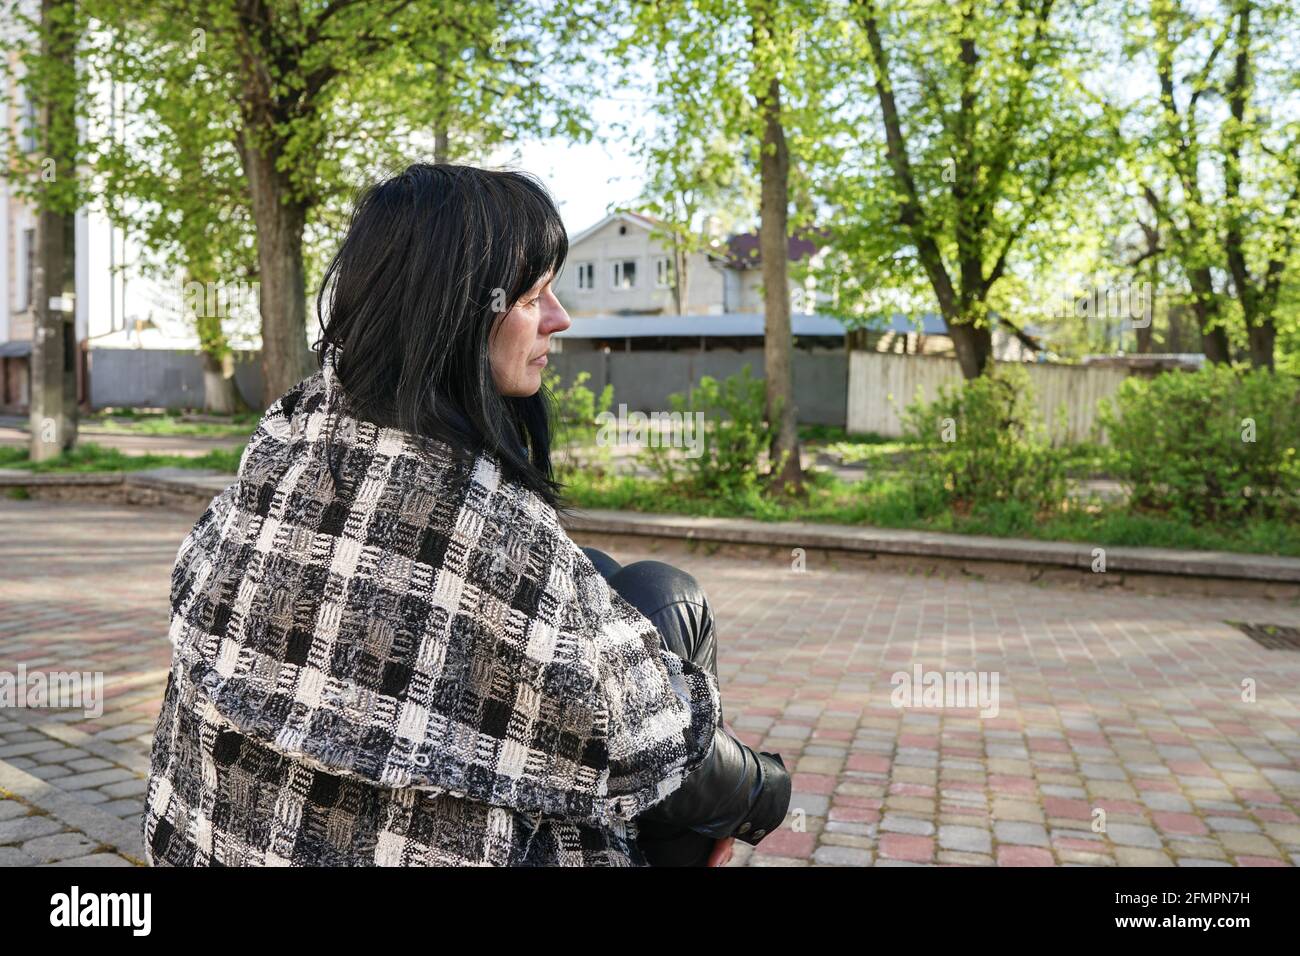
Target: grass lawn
x: 885, y: 500
x: 128, y: 421
x: 89, y: 457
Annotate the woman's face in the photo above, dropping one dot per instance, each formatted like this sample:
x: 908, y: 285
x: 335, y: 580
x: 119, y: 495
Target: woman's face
x: 518, y: 345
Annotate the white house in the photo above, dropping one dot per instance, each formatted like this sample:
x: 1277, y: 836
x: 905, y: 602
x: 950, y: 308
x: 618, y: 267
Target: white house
x: 619, y: 266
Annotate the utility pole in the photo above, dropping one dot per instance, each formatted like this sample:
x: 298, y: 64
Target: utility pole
x: 54, y: 336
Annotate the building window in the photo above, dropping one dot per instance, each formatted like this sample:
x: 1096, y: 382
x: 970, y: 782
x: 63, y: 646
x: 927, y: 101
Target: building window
x: 29, y: 269
x: 586, y: 276
x: 663, y: 272
x: 625, y: 274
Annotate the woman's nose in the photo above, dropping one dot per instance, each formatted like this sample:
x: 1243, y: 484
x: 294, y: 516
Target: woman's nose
x: 555, y: 319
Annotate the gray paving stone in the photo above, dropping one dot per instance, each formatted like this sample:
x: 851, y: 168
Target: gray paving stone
x: 1020, y: 834
x: 854, y: 829
x: 95, y: 859
x: 86, y: 764
x: 1160, y: 800
x: 1232, y: 825
x: 1132, y: 834
x: 58, y: 846
x: 841, y: 856
x: 966, y: 839
x: 50, y: 771
x: 12, y: 856
x: 62, y: 754
x: 22, y: 829
x: 894, y: 823
x: 1103, y: 771
x: 813, y: 804
x: 13, y: 808
x: 27, y: 747
x: 137, y: 787
x: 95, y: 778
x: 126, y: 807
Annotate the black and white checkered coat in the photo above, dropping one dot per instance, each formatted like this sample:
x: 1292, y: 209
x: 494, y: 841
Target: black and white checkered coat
x: 386, y: 656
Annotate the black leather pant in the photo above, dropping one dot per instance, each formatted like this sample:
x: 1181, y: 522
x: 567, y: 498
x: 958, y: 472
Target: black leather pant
x: 736, y: 792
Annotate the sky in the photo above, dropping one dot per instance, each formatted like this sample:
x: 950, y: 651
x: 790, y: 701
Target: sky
x: 586, y: 179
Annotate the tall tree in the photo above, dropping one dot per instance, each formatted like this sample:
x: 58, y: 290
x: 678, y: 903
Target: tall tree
x: 319, y: 96
x: 752, y: 67
x: 44, y: 48
x: 1219, y: 159
x: 977, y: 134
x: 167, y: 173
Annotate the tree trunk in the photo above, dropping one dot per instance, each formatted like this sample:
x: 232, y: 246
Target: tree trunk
x: 53, y: 405
x: 1205, y: 306
x: 280, y: 220
x: 1262, y: 336
x: 680, y: 278
x: 778, y: 340
x: 220, y: 392
x: 974, y: 345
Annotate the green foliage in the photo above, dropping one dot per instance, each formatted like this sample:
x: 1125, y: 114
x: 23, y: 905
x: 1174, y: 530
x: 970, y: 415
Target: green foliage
x: 1216, y: 444
x: 736, y: 434
x: 981, y: 442
x: 575, y: 409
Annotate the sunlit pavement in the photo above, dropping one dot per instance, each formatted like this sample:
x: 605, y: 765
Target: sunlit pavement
x: 1129, y: 729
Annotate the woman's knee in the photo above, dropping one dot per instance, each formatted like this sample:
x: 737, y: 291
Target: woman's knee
x: 660, y: 582
x: 606, y: 565
x: 676, y: 604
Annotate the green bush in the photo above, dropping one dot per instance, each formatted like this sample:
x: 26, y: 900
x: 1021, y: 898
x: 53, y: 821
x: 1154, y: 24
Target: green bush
x: 1216, y: 444
x: 982, y: 443
x: 575, y: 409
x: 736, y: 434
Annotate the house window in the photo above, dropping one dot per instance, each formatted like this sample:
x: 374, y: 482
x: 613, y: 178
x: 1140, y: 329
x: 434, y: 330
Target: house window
x: 625, y: 274
x: 586, y: 275
x: 663, y: 272
x: 29, y: 269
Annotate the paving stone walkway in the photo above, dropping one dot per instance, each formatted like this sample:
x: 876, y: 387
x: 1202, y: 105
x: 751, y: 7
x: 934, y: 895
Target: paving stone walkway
x: 1124, y: 734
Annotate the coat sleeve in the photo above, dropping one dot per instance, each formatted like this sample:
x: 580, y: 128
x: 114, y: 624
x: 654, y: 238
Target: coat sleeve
x: 659, y: 710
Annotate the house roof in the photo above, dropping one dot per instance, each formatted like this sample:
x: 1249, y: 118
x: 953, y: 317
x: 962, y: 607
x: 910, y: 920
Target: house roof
x: 735, y: 324
x: 726, y: 324
x: 632, y: 218
x: 743, y: 248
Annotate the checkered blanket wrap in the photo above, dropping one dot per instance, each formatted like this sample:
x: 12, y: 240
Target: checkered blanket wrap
x: 385, y: 655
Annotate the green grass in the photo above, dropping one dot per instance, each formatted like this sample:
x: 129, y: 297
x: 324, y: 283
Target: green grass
x: 88, y: 457
x: 887, y: 502
x: 129, y: 421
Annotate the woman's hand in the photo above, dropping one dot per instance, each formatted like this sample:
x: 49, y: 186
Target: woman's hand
x: 721, y: 854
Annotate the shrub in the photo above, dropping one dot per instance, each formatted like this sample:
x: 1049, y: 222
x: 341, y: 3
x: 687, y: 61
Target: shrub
x: 575, y: 410
x: 1212, y: 444
x: 982, y: 443
x: 736, y: 436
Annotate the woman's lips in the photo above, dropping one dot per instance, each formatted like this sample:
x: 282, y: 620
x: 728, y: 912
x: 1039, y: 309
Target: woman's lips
x: 540, y: 360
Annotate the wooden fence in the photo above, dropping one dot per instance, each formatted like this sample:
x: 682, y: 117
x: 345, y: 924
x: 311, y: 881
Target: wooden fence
x: 882, y: 384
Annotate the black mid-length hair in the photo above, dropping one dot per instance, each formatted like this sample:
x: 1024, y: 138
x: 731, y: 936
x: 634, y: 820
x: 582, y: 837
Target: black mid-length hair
x: 433, y: 258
